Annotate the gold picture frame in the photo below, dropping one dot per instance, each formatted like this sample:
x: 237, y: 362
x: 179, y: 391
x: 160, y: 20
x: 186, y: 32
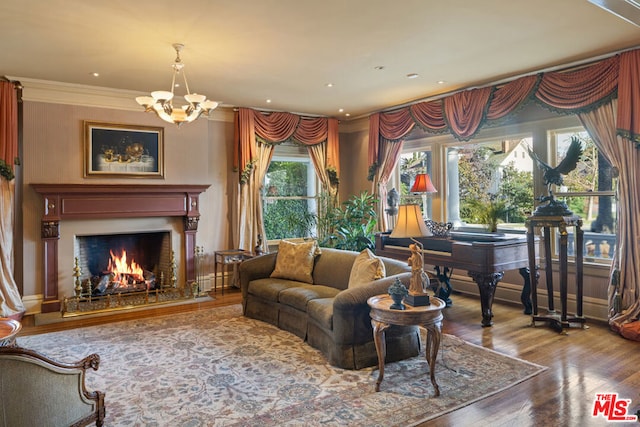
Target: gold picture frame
x: 123, y: 151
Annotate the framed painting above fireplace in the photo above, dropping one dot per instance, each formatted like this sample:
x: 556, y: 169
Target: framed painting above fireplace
x: 120, y: 150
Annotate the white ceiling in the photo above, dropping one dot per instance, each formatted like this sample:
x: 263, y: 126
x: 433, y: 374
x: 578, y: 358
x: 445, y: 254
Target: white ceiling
x: 242, y: 53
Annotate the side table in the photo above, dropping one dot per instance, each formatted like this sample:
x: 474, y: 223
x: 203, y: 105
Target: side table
x: 9, y: 328
x: 428, y: 317
x: 224, y: 259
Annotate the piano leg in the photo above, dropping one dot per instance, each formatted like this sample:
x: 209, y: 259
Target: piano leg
x: 487, y: 283
x: 444, y: 288
x: 525, y: 296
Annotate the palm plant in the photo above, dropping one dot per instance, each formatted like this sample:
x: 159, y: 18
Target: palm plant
x: 489, y: 212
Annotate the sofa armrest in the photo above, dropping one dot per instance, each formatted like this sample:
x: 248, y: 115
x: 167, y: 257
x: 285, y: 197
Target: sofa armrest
x: 351, y: 320
x: 256, y: 268
x: 359, y: 295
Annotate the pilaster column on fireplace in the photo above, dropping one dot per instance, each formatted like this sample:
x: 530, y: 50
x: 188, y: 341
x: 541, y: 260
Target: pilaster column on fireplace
x: 190, y: 229
x: 50, y: 233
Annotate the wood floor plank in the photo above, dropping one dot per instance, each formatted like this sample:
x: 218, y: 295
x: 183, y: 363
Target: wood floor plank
x: 581, y: 363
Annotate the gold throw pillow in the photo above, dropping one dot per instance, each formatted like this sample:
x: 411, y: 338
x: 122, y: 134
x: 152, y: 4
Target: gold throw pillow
x: 295, y: 261
x: 366, y: 268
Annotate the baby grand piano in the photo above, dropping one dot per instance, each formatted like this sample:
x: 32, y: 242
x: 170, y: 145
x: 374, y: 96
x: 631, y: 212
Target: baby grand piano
x: 485, y: 256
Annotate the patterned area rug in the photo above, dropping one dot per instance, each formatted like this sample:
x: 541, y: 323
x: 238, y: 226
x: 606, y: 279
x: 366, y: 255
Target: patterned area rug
x: 218, y: 368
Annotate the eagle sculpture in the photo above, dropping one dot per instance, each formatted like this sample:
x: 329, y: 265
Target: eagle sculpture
x: 553, y: 175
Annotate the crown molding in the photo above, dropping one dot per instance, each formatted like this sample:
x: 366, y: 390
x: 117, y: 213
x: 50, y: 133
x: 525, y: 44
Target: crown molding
x: 36, y: 90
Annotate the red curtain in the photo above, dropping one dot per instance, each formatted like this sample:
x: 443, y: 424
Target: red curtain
x: 628, y: 120
x: 8, y: 123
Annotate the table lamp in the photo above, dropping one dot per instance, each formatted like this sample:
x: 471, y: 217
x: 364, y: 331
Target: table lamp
x: 423, y: 186
x: 411, y: 225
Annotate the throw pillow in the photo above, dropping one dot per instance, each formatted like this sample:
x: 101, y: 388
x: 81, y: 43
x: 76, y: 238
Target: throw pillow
x: 366, y: 267
x: 295, y: 261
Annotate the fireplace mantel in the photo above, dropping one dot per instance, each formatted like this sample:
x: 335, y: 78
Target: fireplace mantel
x: 96, y: 201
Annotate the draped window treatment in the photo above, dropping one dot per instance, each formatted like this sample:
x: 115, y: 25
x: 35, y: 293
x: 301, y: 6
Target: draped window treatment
x: 601, y: 125
x: 579, y: 91
x: 10, y: 300
x: 256, y: 134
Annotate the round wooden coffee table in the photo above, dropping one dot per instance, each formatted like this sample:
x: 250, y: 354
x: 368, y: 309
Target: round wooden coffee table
x: 9, y: 328
x: 428, y: 317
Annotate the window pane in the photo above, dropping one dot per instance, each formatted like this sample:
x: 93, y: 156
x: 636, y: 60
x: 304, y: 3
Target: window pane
x: 412, y: 164
x: 593, y: 172
x: 288, y: 218
x: 599, y: 223
x: 289, y: 204
x: 495, y: 182
x: 286, y: 178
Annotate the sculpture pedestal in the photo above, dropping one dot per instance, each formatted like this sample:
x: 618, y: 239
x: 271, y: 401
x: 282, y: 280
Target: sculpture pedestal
x: 547, y: 223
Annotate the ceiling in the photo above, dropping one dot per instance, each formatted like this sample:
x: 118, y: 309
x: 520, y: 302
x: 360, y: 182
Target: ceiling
x: 245, y: 52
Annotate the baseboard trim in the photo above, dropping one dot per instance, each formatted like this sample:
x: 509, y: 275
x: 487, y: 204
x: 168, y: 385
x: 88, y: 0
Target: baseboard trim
x: 592, y: 308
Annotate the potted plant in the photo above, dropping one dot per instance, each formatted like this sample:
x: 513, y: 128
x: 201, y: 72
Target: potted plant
x: 490, y: 211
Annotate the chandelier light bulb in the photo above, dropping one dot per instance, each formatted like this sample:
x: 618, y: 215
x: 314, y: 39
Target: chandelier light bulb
x: 161, y: 101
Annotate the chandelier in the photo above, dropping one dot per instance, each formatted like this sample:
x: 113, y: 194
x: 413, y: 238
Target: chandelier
x: 161, y: 101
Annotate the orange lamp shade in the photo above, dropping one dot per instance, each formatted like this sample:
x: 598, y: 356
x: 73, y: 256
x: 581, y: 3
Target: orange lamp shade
x: 423, y: 184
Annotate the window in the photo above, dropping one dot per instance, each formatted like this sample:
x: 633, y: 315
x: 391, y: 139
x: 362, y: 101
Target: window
x: 289, y: 197
x: 589, y: 192
x: 413, y: 163
x: 494, y: 183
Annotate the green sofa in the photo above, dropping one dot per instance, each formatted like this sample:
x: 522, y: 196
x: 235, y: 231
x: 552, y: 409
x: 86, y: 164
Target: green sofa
x: 327, y: 314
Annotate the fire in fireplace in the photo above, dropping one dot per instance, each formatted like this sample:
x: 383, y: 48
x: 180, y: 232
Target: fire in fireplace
x: 120, y: 263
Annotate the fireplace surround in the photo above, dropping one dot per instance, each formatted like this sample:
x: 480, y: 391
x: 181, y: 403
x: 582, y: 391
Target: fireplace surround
x: 105, y: 201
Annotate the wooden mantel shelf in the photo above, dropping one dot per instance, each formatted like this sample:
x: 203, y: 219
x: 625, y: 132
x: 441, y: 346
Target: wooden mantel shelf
x: 85, y: 201
x: 104, y: 201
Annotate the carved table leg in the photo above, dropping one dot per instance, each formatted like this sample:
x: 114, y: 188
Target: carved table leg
x: 434, y: 335
x: 487, y: 286
x: 381, y: 348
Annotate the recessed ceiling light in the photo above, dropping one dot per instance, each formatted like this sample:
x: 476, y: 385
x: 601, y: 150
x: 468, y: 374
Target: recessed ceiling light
x: 347, y: 114
x: 441, y: 82
x: 412, y: 75
x: 379, y: 67
x: 341, y: 110
x: 329, y: 85
x: 95, y: 74
x: 268, y: 101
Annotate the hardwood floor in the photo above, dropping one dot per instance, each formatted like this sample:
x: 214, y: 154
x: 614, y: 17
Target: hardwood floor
x: 581, y: 363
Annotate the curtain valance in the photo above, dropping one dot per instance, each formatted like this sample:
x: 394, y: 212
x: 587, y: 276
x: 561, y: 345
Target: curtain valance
x: 464, y: 113
x: 277, y: 127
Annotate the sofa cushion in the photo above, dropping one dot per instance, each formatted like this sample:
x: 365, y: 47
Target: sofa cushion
x: 269, y: 289
x: 298, y: 297
x: 295, y: 260
x: 321, y: 311
x: 333, y: 267
x: 366, y: 268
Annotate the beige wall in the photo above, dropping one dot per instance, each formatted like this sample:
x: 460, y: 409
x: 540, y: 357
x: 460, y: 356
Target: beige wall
x: 354, y: 142
x: 196, y: 153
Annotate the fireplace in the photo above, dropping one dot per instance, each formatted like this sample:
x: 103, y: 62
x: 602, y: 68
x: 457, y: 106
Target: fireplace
x: 120, y: 263
x: 113, y: 203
